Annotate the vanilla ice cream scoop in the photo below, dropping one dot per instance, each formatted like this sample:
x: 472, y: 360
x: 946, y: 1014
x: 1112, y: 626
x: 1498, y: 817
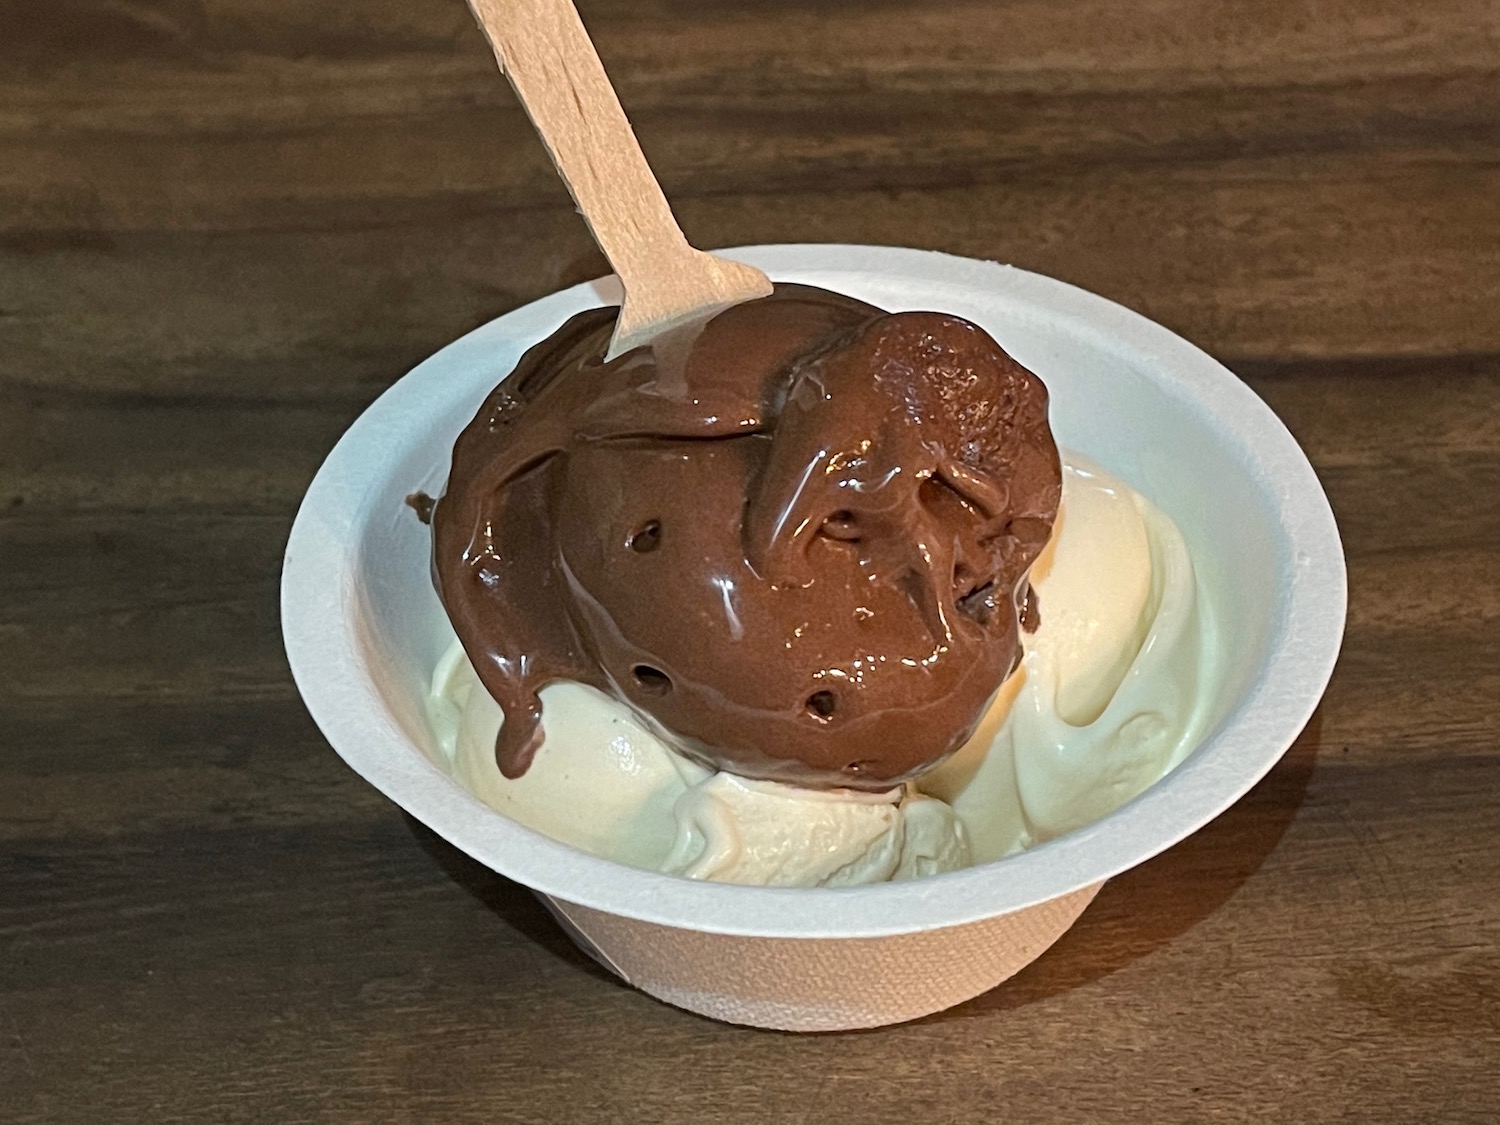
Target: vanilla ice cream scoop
x: 1106, y: 699
x: 1104, y: 702
x: 608, y: 785
x: 763, y: 833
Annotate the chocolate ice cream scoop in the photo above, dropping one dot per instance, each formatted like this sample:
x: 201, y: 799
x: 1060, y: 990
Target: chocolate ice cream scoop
x: 794, y: 537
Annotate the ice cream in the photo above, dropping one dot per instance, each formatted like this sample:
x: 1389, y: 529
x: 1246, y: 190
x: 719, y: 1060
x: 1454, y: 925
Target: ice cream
x: 1104, y: 702
x: 608, y: 785
x: 727, y: 606
x: 1107, y: 697
x: 793, y: 539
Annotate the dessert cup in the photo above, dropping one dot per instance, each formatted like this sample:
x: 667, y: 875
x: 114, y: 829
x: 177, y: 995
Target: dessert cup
x: 364, y: 628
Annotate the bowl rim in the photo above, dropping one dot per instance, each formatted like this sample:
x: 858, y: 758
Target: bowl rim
x: 318, y: 579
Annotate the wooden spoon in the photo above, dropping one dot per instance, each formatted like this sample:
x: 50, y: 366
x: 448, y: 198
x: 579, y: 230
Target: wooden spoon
x: 543, y: 49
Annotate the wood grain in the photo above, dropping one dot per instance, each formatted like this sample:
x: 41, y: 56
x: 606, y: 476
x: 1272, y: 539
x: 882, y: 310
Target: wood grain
x: 226, y: 227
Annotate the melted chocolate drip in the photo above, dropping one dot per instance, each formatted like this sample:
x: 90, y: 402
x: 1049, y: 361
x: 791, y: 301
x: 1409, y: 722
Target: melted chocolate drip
x: 422, y: 504
x: 793, y: 538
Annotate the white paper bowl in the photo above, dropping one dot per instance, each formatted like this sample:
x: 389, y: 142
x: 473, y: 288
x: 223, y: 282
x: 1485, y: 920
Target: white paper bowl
x: 363, y: 629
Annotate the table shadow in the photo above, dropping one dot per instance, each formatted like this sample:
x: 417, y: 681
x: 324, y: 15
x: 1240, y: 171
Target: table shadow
x: 513, y: 903
x: 1149, y: 906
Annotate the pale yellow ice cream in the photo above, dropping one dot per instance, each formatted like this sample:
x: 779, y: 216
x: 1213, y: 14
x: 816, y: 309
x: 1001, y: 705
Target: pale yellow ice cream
x: 1106, y: 699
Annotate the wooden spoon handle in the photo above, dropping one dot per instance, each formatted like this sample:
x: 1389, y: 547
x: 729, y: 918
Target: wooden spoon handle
x: 547, y: 55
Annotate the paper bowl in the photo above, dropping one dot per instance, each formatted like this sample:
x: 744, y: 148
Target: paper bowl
x: 363, y: 629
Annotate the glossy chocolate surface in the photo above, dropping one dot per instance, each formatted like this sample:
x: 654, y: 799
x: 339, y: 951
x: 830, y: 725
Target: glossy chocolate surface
x: 793, y: 537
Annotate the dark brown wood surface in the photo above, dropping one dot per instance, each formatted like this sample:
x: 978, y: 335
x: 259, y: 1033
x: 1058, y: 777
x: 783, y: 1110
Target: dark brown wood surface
x: 226, y: 225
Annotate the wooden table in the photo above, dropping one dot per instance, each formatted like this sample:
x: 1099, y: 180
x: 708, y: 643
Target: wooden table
x: 226, y: 227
